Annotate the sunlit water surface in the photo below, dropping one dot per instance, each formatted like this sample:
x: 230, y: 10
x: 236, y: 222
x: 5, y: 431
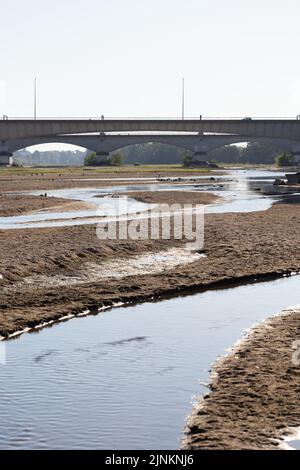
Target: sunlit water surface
x: 125, y: 379
x: 246, y: 191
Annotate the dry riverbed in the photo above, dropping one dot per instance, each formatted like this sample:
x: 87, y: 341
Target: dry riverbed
x: 49, y: 273
x: 238, y: 247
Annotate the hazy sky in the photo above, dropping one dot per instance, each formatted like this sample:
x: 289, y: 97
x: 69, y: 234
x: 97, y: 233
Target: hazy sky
x: 127, y: 57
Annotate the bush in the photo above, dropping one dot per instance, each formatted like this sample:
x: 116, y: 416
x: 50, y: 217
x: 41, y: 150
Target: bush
x: 93, y: 160
x: 90, y: 159
x: 187, y: 159
x: 284, y: 159
x: 116, y: 159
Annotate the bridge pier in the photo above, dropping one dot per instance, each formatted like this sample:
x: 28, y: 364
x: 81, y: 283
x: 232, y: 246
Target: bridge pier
x: 199, y: 159
x: 101, y: 158
x: 5, y: 159
x: 5, y: 154
x: 296, y: 157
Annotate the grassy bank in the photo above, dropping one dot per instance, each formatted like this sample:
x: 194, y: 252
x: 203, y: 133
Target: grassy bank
x: 98, y: 170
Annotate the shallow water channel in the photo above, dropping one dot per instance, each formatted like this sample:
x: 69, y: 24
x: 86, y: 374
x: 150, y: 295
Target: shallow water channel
x: 244, y: 191
x: 125, y: 378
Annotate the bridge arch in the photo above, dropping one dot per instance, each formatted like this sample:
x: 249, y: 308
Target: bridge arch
x: 256, y: 150
x: 51, y: 153
x: 104, y: 144
x: 153, y: 152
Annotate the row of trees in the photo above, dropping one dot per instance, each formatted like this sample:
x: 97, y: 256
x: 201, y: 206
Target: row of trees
x: 152, y: 153
x: 156, y: 153
x: 92, y: 159
x: 50, y: 157
x: 252, y: 153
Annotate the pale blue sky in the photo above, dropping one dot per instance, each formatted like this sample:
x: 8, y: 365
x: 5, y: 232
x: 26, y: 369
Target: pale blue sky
x: 127, y: 57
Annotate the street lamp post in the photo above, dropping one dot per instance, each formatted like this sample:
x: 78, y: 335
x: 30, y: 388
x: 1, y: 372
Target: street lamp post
x: 34, y: 100
x: 183, y: 97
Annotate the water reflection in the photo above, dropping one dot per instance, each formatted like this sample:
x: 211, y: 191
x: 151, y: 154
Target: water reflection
x: 125, y: 379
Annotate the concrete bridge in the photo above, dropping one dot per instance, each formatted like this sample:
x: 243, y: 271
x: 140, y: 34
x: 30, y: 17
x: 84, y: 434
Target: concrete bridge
x: 106, y: 135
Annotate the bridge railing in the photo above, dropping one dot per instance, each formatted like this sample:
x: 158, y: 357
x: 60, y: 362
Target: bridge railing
x: 148, y: 118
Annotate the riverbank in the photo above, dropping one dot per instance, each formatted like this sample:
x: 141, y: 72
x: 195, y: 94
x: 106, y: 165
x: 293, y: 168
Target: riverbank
x: 254, y: 391
x: 238, y: 247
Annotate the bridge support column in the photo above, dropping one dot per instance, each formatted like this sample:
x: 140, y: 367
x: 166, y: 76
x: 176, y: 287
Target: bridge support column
x: 296, y: 157
x: 5, y: 159
x: 296, y: 153
x: 199, y: 159
x: 102, y: 158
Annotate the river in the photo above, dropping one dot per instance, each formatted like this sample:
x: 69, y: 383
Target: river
x: 126, y: 378
x: 242, y: 190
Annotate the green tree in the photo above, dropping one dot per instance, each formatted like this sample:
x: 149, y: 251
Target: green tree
x: 284, y: 159
x: 90, y: 159
x: 116, y: 159
x: 187, y: 159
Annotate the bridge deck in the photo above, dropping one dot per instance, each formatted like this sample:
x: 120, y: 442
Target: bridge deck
x: 282, y: 129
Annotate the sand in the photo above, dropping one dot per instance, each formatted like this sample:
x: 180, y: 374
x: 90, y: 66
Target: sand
x: 174, y: 197
x: 13, y: 204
